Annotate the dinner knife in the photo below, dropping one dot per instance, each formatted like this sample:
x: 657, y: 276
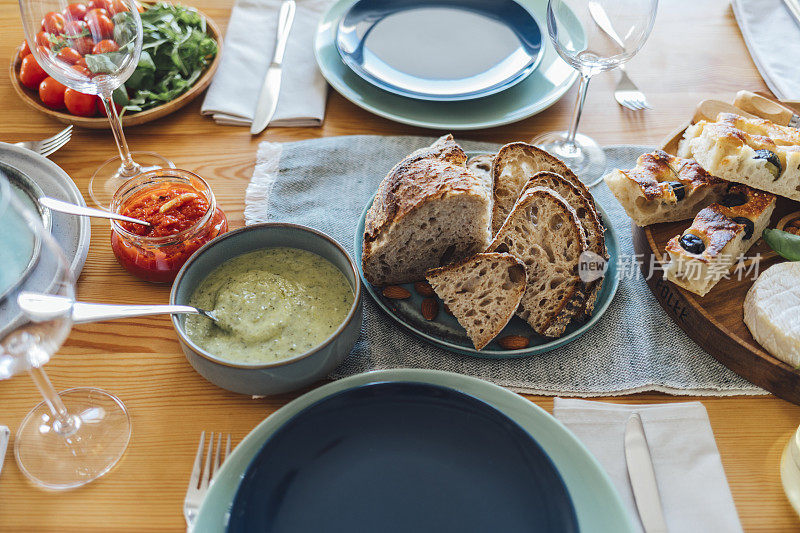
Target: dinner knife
x: 271, y: 89
x: 643, y: 477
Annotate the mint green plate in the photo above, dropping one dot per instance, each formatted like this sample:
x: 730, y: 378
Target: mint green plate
x: 597, y: 504
x: 551, y: 79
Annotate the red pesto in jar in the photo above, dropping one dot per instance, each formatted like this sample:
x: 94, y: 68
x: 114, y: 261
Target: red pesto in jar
x: 173, y: 208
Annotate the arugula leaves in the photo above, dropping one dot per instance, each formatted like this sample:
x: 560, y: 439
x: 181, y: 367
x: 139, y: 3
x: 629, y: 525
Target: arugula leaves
x: 175, y: 51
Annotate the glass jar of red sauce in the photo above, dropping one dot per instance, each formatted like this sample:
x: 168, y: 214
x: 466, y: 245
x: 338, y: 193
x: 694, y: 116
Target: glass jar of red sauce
x: 183, y: 214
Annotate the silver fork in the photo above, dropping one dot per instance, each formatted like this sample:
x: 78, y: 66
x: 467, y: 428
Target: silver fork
x: 627, y: 94
x: 201, y: 478
x: 47, y: 146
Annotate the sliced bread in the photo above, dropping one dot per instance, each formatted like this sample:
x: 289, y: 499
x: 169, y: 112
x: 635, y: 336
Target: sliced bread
x: 428, y: 211
x: 481, y: 168
x: 513, y: 166
x: 545, y: 233
x: 482, y: 291
x: 590, y: 222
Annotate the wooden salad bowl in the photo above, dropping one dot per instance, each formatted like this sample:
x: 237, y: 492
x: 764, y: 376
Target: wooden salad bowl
x: 716, y: 321
x: 31, y: 98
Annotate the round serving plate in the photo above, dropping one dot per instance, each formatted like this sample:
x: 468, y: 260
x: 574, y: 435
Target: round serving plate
x: 31, y: 97
x: 360, y: 459
x: 443, y: 50
x: 542, y: 88
x: 71, y: 232
x: 445, y: 331
x: 597, y: 506
x: 716, y: 321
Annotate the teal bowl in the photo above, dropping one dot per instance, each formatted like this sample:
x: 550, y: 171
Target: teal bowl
x: 276, y: 377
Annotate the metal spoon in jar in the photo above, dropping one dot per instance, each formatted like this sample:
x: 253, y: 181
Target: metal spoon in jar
x: 41, y: 307
x: 74, y: 209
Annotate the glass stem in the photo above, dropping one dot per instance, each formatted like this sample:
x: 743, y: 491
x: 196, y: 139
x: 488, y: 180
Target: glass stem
x: 65, y: 424
x: 129, y: 167
x: 576, y: 114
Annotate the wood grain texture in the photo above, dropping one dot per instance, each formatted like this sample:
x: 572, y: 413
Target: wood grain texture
x: 170, y: 404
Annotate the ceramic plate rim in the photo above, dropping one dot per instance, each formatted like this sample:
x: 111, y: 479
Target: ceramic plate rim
x: 502, y: 85
x: 322, y: 39
x: 581, y: 471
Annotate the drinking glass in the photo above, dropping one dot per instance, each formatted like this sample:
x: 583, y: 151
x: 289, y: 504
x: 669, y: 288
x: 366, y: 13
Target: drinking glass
x: 74, y: 436
x: 92, y: 50
x: 580, y: 41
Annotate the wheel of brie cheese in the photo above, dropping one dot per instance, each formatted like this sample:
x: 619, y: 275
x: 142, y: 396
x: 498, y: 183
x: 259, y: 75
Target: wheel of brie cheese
x: 772, y: 311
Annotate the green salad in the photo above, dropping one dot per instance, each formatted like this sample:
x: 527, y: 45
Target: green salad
x: 175, y: 51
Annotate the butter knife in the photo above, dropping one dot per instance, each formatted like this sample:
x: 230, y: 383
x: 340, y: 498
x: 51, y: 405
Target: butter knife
x: 271, y: 89
x: 643, y: 477
x: 4, y: 434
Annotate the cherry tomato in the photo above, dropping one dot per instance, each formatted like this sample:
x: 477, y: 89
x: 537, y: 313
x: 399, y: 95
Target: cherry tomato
x: 74, y: 28
x: 53, y: 22
x: 30, y: 73
x: 117, y: 6
x: 99, y: 4
x: 43, y: 39
x: 83, y: 45
x: 69, y: 55
x: 101, y: 109
x: 75, y: 12
x: 43, y: 50
x: 82, y: 70
x: 24, y: 49
x: 104, y: 46
x: 81, y: 63
x: 95, y: 12
x: 80, y: 104
x: 51, y: 93
x: 99, y: 24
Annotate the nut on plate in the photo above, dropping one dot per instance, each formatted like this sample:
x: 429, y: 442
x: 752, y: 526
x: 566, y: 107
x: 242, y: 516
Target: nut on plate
x: 513, y: 342
x: 430, y: 308
x: 396, y: 292
x: 424, y: 289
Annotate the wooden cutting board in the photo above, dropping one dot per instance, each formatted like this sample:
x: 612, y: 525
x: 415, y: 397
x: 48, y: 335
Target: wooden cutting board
x: 716, y: 321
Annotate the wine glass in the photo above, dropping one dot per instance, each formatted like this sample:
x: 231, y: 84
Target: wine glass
x: 575, y: 29
x: 93, y: 48
x: 74, y: 436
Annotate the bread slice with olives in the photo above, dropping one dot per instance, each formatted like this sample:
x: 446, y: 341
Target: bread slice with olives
x: 544, y: 232
x: 719, y: 235
x: 664, y: 188
x: 430, y: 210
x: 754, y: 152
x: 483, y: 292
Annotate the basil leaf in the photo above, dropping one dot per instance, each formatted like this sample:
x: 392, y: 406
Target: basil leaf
x: 785, y: 244
x: 100, y: 63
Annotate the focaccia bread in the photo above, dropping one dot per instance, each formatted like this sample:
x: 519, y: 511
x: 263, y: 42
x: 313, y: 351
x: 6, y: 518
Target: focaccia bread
x: 544, y: 232
x: 755, y: 152
x: 719, y: 235
x: 428, y: 211
x: 664, y: 188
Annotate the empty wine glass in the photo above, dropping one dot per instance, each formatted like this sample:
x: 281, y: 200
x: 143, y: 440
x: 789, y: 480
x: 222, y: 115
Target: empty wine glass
x: 92, y: 47
x: 575, y: 30
x: 74, y: 436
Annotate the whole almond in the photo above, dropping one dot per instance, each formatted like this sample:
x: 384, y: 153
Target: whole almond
x: 430, y: 308
x: 396, y: 292
x: 424, y: 289
x: 513, y: 342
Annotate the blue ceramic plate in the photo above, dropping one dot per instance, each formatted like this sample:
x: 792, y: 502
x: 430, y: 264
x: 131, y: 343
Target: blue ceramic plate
x: 443, y: 50
x: 596, y: 503
x: 400, y: 457
x: 544, y: 86
x: 445, y: 331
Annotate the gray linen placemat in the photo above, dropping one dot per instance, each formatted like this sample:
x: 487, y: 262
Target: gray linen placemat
x: 326, y: 183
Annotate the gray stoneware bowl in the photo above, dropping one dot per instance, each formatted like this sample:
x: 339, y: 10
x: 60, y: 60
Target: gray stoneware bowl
x: 280, y: 376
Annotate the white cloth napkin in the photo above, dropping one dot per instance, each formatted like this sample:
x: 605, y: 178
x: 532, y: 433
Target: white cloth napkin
x: 691, y: 481
x: 248, y: 49
x: 4, y: 433
x: 772, y: 36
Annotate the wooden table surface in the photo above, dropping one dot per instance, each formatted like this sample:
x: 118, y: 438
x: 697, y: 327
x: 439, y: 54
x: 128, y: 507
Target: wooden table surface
x: 695, y: 52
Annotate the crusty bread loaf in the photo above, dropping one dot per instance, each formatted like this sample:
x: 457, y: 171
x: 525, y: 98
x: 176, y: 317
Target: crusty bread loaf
x: 482, y: 291
x: 590, y: 222
x: 545, y: 233
x: 428, y: 211
x: 513, y: 165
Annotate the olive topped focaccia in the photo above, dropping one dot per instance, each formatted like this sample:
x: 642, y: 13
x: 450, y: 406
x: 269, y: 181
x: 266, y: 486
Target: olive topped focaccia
x: 755, y: 152
x: 719, y: 235
x: 664, y: 188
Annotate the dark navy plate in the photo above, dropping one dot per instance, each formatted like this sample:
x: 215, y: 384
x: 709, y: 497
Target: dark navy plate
x: 440, y: 49
x: 401, y: 457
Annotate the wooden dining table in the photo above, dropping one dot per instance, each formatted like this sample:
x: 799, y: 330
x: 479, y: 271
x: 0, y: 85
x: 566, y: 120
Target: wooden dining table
x: 695, y: 52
